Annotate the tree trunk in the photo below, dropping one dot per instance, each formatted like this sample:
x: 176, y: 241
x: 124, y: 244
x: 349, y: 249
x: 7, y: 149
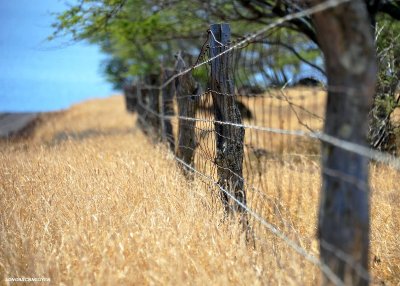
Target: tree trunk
x: 346, y: 39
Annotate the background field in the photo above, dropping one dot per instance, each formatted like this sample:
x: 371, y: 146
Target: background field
x: 88, y: 199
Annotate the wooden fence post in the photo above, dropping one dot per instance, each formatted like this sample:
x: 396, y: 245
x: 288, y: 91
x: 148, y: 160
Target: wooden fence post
x: 141, y: 107
x: 167, y: 109
x: 346, y: 39
x: 152, y: 81
x: 229, y: 139
x: 130, y: 95
x: 187, y: 91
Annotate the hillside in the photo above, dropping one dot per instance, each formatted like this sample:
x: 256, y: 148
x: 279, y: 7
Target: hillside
x: 87, y: 199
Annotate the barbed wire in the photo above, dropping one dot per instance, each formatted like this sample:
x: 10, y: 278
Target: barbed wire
x: 206, y: 131
x: 306, y: 12
x: 300, y: 250
x: 334, y: 173
x: 343, y: 144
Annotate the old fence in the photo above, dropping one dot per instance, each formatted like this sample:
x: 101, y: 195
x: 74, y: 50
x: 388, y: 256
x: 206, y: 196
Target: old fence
x: 255, y: 144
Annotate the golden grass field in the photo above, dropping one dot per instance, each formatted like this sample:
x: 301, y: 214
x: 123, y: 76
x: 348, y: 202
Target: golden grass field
x: 87, y: 199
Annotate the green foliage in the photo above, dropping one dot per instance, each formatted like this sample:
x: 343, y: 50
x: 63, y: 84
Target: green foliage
x: 140, y: 32
x: 117, y: 71
x: 382, y: 128
x: 139, y: 35
x: 387, y: 104
x: 388, y: 52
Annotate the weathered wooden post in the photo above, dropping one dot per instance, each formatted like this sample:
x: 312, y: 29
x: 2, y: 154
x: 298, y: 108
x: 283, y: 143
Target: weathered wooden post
x: 229, y: 139
x: 346, y: 39
x: 187, y: 91
x: 130, y: 95
x: 152, y: 81
x: 141, y: 93
x: 167, y: 108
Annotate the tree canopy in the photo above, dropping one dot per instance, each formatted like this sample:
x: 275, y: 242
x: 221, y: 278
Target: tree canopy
x: 138, y: 35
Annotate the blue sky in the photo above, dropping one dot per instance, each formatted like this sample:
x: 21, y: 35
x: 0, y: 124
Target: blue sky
x: 37, y: 75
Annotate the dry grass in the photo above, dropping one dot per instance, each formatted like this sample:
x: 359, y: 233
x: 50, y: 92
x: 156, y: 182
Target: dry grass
x: 89, y: 200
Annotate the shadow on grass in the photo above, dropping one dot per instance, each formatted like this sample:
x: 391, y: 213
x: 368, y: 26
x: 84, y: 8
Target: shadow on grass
x: 65, y: 136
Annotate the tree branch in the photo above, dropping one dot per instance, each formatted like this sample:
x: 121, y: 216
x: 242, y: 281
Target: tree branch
x: 291, y: 49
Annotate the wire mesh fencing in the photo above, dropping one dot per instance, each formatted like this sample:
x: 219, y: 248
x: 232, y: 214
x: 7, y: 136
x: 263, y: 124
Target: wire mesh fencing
x: 231, y: 119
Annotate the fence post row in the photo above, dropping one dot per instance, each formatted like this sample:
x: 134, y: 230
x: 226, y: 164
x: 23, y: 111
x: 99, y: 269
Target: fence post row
x: 167, y: 109
x: 344, y: 212
x: 229, y: 139
x: 187, y: 91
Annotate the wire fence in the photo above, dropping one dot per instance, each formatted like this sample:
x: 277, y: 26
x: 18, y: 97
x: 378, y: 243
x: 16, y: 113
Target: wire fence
x: 233, y: 121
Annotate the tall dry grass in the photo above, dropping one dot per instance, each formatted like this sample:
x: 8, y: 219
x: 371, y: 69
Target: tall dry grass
x: 88, y: 200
